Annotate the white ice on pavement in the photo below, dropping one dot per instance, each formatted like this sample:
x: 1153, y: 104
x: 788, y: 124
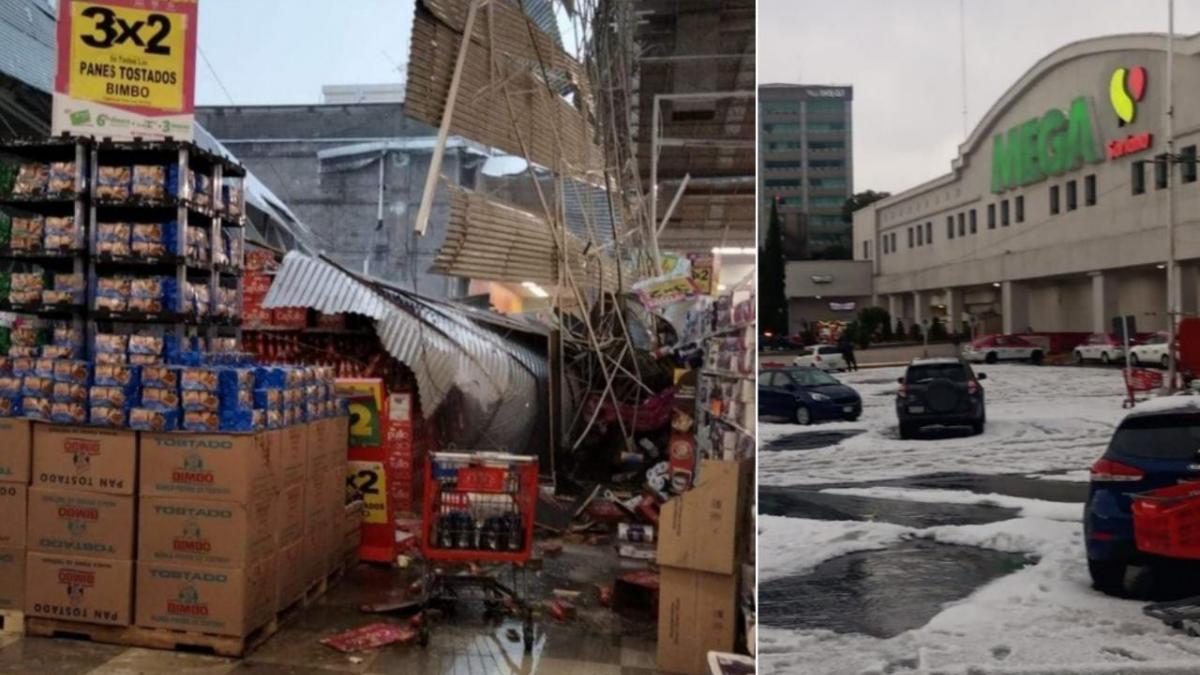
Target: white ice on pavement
x: 1044, y: 618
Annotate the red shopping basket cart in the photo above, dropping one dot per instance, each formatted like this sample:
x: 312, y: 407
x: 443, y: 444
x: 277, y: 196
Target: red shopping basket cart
x: 478, y: 510
x: 1166, y: 521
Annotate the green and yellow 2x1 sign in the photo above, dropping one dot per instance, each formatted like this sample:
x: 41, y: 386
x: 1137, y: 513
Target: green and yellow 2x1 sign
x: 1047, y: 146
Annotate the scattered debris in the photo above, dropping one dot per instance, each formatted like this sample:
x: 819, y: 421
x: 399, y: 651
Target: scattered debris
x: 635, y: 593
x: 370, y: 636
x: 560, y: 610
x: 401, y: 606
x: 566, y: 594
x: 513, y: 635
x: 552, y: 548
x: 604, y: 595
x: 636, y: 552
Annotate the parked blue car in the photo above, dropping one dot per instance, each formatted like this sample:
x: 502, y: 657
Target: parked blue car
x: 1152, y: 448
x: 806, y: 395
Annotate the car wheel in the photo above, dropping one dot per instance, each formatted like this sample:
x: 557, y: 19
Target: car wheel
x: 907, y: 431
x: 1108, y: 576
x: 1036, y: 358
x: 1078, y: 358
x: 977, y: 426
x: 990, y: 358
x: 1166, y: 362
x: 1133, y: 360
x: 852, y: 418
x: 802, y: 416
x: 1104, y: 358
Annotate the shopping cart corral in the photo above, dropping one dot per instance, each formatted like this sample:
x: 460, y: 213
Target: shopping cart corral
x: 477, y: 518
x: 1166, y: 523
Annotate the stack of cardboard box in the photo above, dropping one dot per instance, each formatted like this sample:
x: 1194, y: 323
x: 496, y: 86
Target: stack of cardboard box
x: 206, y: 548
x: 15, y: 441
x: 701, y: 544
x: 80, y: 538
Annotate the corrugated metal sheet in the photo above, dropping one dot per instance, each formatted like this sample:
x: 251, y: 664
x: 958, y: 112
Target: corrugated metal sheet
x: 487, y: 390
x: 27, y: 42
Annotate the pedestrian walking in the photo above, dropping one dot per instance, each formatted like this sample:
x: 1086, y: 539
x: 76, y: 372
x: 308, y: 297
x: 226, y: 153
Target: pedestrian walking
x: 846, y: 347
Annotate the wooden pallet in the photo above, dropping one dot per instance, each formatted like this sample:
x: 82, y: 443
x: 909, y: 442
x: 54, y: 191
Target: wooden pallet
x: 12, y: 622
x: 154, y: 638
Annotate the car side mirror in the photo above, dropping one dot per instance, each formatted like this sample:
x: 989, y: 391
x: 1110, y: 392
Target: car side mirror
x: 900, y: 380
x: 981, y: 376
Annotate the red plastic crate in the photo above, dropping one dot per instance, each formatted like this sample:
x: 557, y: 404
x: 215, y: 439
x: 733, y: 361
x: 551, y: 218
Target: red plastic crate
x: 1166, y: 521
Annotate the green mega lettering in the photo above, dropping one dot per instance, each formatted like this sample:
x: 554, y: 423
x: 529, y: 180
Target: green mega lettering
x: 1047, y: 146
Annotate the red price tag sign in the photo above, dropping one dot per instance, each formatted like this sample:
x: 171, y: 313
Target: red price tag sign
x: 481, y: 479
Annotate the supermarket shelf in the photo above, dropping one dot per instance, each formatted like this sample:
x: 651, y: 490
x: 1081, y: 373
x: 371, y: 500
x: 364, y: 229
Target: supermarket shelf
x: 7, y: 253
x: 135, y: 205
x: 171, y: 261
x: 40, y: 309
x: 228, y: 270
x: 58, y: 203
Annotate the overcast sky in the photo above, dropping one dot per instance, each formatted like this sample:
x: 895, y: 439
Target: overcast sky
x: 903, y: 59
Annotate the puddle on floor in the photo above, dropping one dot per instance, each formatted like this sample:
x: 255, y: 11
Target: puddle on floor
x: 1015, y: 485
x: 811, y: 440
x: 882, y: 593
x: 807, y: 503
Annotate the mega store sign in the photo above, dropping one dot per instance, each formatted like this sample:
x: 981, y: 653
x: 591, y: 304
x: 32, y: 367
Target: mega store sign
x: 126, y: 69
x: 1060, y: 141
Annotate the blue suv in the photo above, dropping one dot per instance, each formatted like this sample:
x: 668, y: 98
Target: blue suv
x: 1152, y: 448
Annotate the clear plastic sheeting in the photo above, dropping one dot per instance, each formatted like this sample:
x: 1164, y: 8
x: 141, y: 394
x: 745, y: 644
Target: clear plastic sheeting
x: 479, y: 380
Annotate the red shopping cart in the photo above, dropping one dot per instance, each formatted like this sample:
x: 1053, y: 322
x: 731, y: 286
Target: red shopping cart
x: 1166, y: 521
x: 478, y: 510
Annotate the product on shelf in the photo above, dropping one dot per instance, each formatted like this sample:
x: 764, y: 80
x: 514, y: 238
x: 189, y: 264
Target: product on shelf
x: 146, y: 344
x: 26, y: 288
x: 197, y: 244
x: 114, y: 182
x: 154, y: 398
x: 36, y: 408
x: 201, y: 188
x: 68, y: 412
x: 107, y: 416
x: 160, y: 376
x: 32, y: 180
x: 114, y: 239
x: 61, y: 179
x: 149, y: 239
x: 63, y: 235
x: 71, y: 371
x: 233, y: 196
x: 150, y: 181
x: 144, y: 419
x: 68, y: 290
x: 28, y: 233
x: 112, y: 293
x: 146, y: 294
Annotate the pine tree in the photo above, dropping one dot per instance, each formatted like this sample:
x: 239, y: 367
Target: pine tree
x: 772, y: 290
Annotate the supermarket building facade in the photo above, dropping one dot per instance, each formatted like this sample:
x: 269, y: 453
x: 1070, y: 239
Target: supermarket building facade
x: 1053, y: 217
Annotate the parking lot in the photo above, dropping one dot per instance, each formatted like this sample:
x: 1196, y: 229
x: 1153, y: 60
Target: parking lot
x: 950, y: 553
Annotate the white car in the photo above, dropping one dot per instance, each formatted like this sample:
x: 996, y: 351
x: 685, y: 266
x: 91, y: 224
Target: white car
x: 993, y: 348
x: 825, y: 357
x: 1151, y: 352
x: 1102, y: 347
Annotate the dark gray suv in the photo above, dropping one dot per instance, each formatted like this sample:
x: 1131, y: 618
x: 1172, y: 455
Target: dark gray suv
x: 943, y: 392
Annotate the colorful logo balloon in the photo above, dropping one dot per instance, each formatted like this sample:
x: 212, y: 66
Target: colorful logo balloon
x: 1125, y: 88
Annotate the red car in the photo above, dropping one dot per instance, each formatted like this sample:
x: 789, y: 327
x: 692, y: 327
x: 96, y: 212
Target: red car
x: 1103, y: 347
x: 993, y: 348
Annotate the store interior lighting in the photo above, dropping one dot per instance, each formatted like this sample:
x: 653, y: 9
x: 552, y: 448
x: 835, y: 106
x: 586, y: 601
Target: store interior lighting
x: 537, y: 291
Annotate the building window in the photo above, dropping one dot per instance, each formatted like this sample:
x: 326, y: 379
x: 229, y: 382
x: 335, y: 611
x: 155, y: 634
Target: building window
x: 1004, y: 213
x: 866, y: 250
x: 962, y: 225
x: 781, y: 128
x: 920, y: 235
x: 1187, y: 166
x: 1019, y: 207
x: 1089, y: 188
x: 1160, y: 171
x: 929, y: 231
x: 949, y: 227
x: 1138, y: 178
x: 910, y: 237
x: 1053, y: 199
x: 782, y: 165
x: 991, y: 216
x: 781, y: 183
x: 893, y: 242
x: 1072, y: 197
x: 972, y: 219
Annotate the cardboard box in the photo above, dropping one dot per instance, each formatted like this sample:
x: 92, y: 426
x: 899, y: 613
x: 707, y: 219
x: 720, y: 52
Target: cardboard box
x: 12, y: 578
x: 204, y: 532
x: 213, y: 600
x: 294, y: 449
x: 318, y: 449
x: 88, y: 458
x: 316, y: 545
x: 704, y: 528
x: 91, y: 590
x: 78, y: 523
x: 16, y: 448
x: 290, y: 577
x: 12, y: 504
x: 316, y: 495
x: 228, y: 467
x: 697, y: 613
x: 274, y: 440
x: 289, y: 514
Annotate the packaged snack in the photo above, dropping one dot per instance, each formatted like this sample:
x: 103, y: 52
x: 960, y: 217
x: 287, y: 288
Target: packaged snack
x: 241, y: 420
x: 111, y: 359
x: 22, y: 366
x: 112, y: 293
x: 68, y: 413
x: 203, y: 300
x: 68, y: 290
x: 242, y: 399
x: 147, y: 240
x: 160, y: 399
x: 26, y: 335
x: 28, y: 233
x: 58, y: 351
x: 58, y: 298
x: 268, y: 399
x: 274, y: 419
x: 117, y: 375
x: 113, y: 182
x: 201, y: 400
x: 233, y: 196
x: 111, y: 343
x: 259, y: 419
x: 63, y: 235
x: 10, y: 407
x: 43, y: 367
x: 69, y: 392
x: 160, y: 376
x: 145, y: 419
x: 113, y: 397
x: 150, y: 181
x: 26, y: 288
x: 106, y: 416
x: 197, y: 244
x: 224, y: 345
x: 198, y: 379
x: 5, y: 367
x: 145, y: 344
x: 61, y: 181
x: 221, y: 251
x: 36, y: 408
x: 32, y: 180
x: 145, y: 359
x: 75, y: 372
x: 37, y: 385
x: 202, y: 189
x: 18, y: 350
x: 67, y: 335
x: 114, y: 239
x: 10, y: 386
x: 195, y: 420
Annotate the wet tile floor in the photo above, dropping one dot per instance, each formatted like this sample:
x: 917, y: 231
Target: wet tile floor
x: 595, y: 642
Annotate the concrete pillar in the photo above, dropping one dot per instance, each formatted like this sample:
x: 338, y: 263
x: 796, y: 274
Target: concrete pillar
x: 894, y: 307
x: 1104, y: 301
x: 954, y: 309
x: 920, y: 307
x: 1014, y: 306
x: 1189, y: 289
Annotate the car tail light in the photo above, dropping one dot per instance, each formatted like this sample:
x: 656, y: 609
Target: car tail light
x: 972, y: 387
x: 1108, y: 471
x: 903, y: 390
